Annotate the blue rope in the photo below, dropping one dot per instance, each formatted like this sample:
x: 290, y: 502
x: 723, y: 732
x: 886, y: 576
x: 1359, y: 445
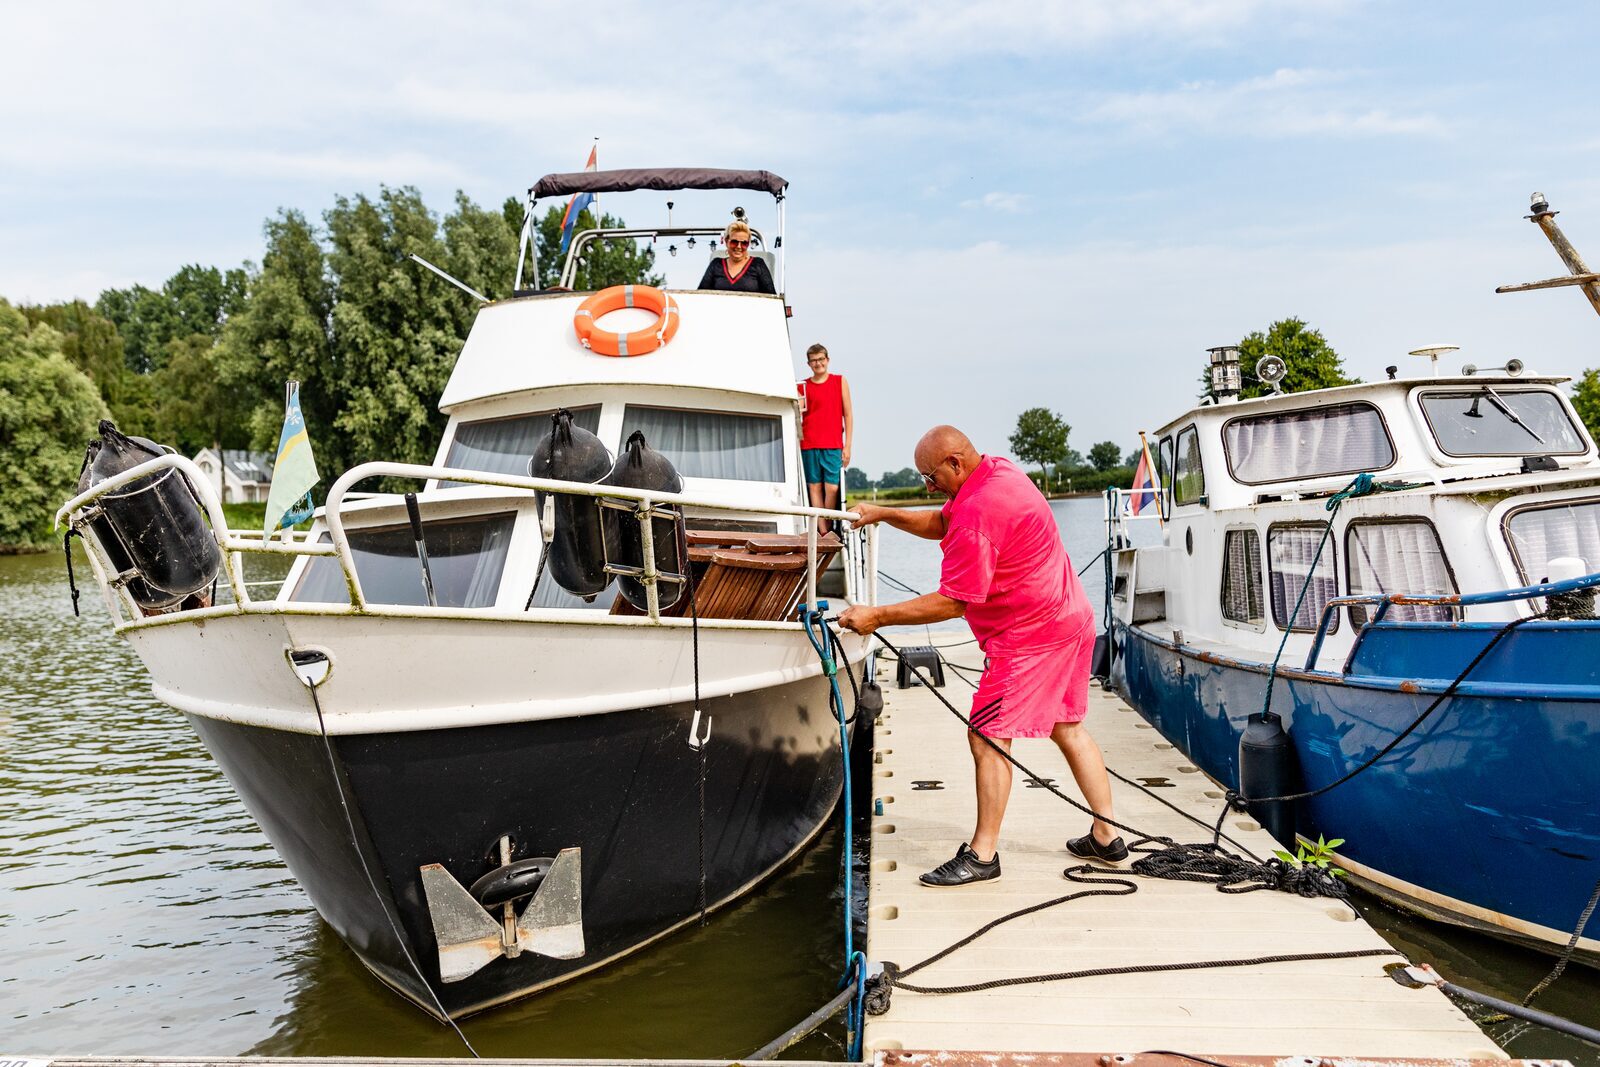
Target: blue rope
x: 855, y: 963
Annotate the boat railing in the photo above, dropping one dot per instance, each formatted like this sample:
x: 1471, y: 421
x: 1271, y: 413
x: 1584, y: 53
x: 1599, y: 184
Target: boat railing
x: 647, y: 506
x: 1382, y: 602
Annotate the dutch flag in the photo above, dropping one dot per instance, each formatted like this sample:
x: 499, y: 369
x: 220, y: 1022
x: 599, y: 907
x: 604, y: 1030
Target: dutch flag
x: 576, y: 206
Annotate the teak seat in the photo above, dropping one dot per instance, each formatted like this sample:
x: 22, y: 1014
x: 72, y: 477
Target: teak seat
x: 746, y: 576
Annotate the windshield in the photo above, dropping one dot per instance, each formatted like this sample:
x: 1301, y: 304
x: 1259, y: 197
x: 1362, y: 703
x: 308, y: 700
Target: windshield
x: 1492, y: 421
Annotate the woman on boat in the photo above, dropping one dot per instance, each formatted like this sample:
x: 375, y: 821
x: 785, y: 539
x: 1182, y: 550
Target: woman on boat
x: 740, y: 272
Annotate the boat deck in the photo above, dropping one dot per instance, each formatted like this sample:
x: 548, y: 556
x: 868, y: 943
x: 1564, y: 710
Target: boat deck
x: 1317, y: 1009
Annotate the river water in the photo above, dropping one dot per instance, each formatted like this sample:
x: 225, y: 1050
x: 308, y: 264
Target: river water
x: 143, y: 913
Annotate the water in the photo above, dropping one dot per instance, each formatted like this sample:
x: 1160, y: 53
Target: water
x: 142, y: 912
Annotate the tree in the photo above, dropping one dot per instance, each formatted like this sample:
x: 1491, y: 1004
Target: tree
x: 1312, y: 363
x: 856, y: 480
x: 1586, y: 399
x: 1041, y: 438
x: 195, y: 300
x: 91, y: 342
x: 1105, y: 455
x: 904, y: 478
x: 605, y: 263
x: 48, y: 410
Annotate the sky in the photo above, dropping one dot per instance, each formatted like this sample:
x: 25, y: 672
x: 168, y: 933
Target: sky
x: 992, y: 206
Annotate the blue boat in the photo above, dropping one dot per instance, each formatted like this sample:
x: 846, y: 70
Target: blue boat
x: 1409, y: 566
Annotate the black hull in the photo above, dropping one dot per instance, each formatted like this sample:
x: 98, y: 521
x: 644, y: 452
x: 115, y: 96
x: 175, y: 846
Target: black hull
x: 624, y: 787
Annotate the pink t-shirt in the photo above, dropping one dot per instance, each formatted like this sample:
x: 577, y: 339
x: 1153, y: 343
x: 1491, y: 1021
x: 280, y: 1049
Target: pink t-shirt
x: 1004, y: 559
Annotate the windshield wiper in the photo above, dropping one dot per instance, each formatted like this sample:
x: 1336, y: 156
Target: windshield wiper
x: 1505, y: 409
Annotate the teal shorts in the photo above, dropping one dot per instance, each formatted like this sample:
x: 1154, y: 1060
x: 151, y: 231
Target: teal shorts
x: 823, y: 465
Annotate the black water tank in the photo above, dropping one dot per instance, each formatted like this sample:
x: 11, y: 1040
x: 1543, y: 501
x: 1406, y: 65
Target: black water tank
x: 1267, y: 769
x: 641, y: 467
x: 577, y: 550
x: 155, y: 522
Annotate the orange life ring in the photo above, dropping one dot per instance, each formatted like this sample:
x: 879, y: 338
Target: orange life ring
x: 615, y: 298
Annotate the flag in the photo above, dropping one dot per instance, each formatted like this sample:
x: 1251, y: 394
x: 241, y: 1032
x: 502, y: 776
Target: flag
x: 1145, y: 486
x: 294, y: 472
x: 576, y: 205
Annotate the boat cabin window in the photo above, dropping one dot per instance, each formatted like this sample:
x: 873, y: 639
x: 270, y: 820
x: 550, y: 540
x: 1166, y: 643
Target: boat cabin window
x: 1290, y: 550
x: 1397, y: 556
x: 1288, y: 445
x: 1188, y: 480
x: 1538, y: 535
x: 1501, y: 422
x: 1241, y: 578
x: 465, y: 557
x: 504, y: 446
x: 712, y: 444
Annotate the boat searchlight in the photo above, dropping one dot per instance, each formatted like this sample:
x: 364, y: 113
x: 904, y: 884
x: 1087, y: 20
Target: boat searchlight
x: 1226, y: 380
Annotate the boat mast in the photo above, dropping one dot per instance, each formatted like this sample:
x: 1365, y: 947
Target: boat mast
x: 1581, y: 275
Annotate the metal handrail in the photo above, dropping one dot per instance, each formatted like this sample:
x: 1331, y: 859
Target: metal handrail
x: 646, y: 504
x: 569, y: 270
x: 1384, y: 601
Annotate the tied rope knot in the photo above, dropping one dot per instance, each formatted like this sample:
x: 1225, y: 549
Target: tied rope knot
x: 1364, y: 484
x: 1236, y: 801
x: 880, y: 987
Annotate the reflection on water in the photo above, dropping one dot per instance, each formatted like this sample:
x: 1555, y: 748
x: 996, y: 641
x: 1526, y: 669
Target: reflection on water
x: 142, y: 912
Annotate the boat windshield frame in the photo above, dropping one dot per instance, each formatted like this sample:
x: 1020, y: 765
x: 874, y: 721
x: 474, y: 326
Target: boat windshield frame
x: 1488, y: 396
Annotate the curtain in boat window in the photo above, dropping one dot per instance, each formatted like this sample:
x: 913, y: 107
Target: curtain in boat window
x: 1539, y: 535
x: 1241, y: 577
x: 1290, y: 550
x: 504, y: 446
x: 1188, y: 480
x: 466, y: 558
x: 1403, y: 556
x: 712, y: 444
x: 1284, y: 446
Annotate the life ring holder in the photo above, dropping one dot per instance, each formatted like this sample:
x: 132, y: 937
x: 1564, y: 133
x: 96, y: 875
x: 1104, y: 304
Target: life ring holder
x: 617, y: 297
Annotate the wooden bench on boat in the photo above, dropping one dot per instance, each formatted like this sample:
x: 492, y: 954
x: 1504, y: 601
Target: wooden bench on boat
x: 739, y: 575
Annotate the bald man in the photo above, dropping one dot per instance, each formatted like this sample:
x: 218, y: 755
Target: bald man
x: 1006, y: 571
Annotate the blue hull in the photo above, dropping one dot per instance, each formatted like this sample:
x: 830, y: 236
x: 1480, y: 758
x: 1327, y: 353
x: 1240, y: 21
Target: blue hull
x: 1491, y: 805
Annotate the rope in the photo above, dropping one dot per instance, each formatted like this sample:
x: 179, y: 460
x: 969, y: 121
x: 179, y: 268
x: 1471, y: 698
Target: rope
x: 1566, y: 953
x: 72, y: 581
x: 350, y: 825
x: 694, y: 643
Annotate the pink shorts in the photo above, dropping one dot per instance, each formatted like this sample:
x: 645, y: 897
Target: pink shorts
x: 1026, y: 694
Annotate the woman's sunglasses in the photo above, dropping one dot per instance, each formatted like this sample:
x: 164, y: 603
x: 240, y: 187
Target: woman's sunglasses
x: 738, y: 244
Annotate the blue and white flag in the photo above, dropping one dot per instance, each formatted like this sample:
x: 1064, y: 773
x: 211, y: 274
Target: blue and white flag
x: 294, y: 472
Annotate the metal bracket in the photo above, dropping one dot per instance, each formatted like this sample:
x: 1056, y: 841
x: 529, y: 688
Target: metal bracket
x: 697, y: 740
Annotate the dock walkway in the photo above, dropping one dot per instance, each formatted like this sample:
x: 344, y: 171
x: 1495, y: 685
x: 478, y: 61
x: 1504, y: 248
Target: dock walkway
x: 923, y: 778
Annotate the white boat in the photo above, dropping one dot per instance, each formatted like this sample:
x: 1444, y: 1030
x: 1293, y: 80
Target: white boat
x: 630, y: 769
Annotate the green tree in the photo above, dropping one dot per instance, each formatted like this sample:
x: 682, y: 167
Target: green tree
x: 48, y: 410
x: 195, y: 300
x: 904, y: 478
x: 1105, y: 455
x: 202, y: 397
x: 624, y: 262
x: 91, y: 342
x: 1586, y: 399
x: 856, y: 480
x: 1312, y: 363
x: 1040, y: 438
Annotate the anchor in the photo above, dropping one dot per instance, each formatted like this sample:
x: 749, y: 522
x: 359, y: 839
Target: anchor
x: 469, y: 935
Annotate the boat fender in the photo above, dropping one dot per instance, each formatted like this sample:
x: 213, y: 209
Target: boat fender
x: 617, y: 297
x: 641, y: 467
x: 151, y: 529
x: 1101, y: 662
x: 577, y: 551
x: 1267, y: 769
x: 511, y: 882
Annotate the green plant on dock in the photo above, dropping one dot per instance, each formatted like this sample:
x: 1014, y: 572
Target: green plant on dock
x: 1320, y: 854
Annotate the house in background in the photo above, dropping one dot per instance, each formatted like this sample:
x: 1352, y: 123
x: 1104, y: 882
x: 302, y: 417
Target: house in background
x: 239, y: 477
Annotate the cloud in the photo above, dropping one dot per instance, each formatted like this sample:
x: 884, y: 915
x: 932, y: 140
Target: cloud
x: 1287, y: 102
x: 1010, y: 203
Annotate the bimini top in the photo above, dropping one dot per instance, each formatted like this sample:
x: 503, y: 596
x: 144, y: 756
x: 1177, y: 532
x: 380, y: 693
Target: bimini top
x: 662, y: 179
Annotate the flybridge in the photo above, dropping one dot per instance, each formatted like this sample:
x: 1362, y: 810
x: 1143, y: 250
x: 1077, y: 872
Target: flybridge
x: 667, y: 179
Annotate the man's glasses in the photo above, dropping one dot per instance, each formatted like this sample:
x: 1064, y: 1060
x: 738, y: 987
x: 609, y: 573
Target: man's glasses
x: 928, y: 480
x: 738, y: 244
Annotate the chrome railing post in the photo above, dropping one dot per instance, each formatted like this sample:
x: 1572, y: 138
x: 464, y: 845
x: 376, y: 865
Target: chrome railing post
x: 645, y: 513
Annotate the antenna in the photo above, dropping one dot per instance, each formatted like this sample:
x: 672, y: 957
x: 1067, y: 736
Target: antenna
x: 457, y: 282
x: 1581, y: 275
x: 1433, y: 352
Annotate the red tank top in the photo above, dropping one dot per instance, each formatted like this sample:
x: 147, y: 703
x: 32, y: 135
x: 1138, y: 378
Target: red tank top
x: 824, y: 419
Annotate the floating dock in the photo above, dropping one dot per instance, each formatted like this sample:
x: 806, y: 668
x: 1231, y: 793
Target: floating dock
x: 924, y: 808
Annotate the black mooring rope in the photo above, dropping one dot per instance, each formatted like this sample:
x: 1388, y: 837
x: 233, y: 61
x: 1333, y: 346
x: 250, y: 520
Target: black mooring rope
x: 72, y: 581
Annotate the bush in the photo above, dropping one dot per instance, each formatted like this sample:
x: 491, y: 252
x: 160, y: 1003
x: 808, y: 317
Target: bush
x: 48, y: 412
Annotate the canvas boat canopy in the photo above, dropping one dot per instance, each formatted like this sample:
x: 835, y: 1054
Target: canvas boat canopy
x: 667, y: 179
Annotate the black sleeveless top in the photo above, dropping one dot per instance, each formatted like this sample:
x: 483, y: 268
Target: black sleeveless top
x: 755, y: 279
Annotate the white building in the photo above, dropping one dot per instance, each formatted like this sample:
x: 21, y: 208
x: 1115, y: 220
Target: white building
x: 239, y: 477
